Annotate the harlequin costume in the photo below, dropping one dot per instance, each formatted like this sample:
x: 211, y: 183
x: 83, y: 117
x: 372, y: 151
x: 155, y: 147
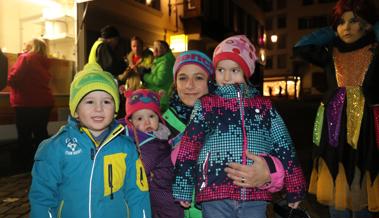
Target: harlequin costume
x: 346, y: 130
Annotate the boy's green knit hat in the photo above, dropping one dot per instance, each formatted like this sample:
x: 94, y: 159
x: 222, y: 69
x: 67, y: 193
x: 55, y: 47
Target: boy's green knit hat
x: 92, y: 78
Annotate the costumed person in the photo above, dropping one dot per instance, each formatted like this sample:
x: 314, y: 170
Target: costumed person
x: 89, y: 168
x: 346, y: 131
x: 224, y: 125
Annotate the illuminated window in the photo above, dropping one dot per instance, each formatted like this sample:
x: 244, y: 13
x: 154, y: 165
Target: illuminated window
x: 178, y: 43
x: 156, y: 4
x: 282, y: 86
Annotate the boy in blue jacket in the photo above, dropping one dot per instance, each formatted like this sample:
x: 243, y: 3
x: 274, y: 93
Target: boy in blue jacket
x: 89, y: 169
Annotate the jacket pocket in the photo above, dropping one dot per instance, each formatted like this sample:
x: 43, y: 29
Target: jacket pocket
x: 114, y: 173
x: 141, y: 176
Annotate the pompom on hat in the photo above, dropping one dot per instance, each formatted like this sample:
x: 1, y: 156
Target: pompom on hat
x: 238, y: 49
x: 193, y: 57
x: 142, y: 99
x: 92, y: 78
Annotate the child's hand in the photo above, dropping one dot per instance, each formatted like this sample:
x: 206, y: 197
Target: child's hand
x: 294, y: 205
x: 185, y: 204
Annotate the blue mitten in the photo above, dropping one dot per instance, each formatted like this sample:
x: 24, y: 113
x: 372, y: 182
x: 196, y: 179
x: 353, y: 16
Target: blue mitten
x: 319, y: 37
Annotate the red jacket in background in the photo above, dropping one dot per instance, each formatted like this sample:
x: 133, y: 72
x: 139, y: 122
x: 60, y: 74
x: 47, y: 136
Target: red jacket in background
x: 29, y: 80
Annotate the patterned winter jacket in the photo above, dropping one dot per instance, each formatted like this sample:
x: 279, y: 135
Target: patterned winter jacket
x: 222, y: 127
x: 72, y: 178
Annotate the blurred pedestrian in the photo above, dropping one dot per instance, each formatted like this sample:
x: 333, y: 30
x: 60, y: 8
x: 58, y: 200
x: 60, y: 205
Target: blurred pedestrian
x: 140, y: 60
x: 31, y: 97
x: 104, y: 51
x: 160, y: 77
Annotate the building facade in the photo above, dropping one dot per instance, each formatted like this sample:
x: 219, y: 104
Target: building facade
x: 289, y: 20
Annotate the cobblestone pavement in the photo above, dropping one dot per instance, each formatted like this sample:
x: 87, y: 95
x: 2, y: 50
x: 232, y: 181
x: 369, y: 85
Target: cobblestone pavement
x: 14, y: 196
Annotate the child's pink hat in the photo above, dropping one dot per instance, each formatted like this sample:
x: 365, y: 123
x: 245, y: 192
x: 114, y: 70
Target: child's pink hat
x: 239, y: 49
x: 142, y: 99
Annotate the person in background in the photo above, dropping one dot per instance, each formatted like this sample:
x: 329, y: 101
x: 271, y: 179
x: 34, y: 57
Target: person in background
x: 224, y: 125
x: 32, y: 98
x: 104, y: 51
x: 3, y: 70
x: 345, y: 173
x: 145, y: 125
x: 160, y: 77
x: 89, y: 168
x: 140, y: 61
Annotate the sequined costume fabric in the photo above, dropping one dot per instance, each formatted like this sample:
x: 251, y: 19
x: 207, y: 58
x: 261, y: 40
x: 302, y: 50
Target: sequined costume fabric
x: 351, y: 67
x: 354, y: 111
x: 334, y: 113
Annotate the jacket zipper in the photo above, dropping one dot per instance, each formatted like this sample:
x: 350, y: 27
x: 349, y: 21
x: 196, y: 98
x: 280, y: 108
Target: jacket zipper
x: 110, y: 179
x: 244, y: 161
x: 115, y: 133
x: 241, y: 104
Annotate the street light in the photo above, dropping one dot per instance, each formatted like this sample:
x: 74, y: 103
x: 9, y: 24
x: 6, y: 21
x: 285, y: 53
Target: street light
x: 262, y: 56
x: 274, y: 38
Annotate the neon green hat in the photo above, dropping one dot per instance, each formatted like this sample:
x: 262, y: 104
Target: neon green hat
x: 92, y: 78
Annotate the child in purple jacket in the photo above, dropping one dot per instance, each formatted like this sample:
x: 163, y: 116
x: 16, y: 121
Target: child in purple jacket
x: 145, y: 125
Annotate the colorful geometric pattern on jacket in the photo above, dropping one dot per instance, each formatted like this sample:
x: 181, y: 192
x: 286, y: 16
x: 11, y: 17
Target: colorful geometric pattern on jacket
x: 215, y: 136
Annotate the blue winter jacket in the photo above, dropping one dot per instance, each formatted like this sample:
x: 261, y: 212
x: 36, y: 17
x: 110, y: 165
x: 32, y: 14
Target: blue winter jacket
x: 74, y: 178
